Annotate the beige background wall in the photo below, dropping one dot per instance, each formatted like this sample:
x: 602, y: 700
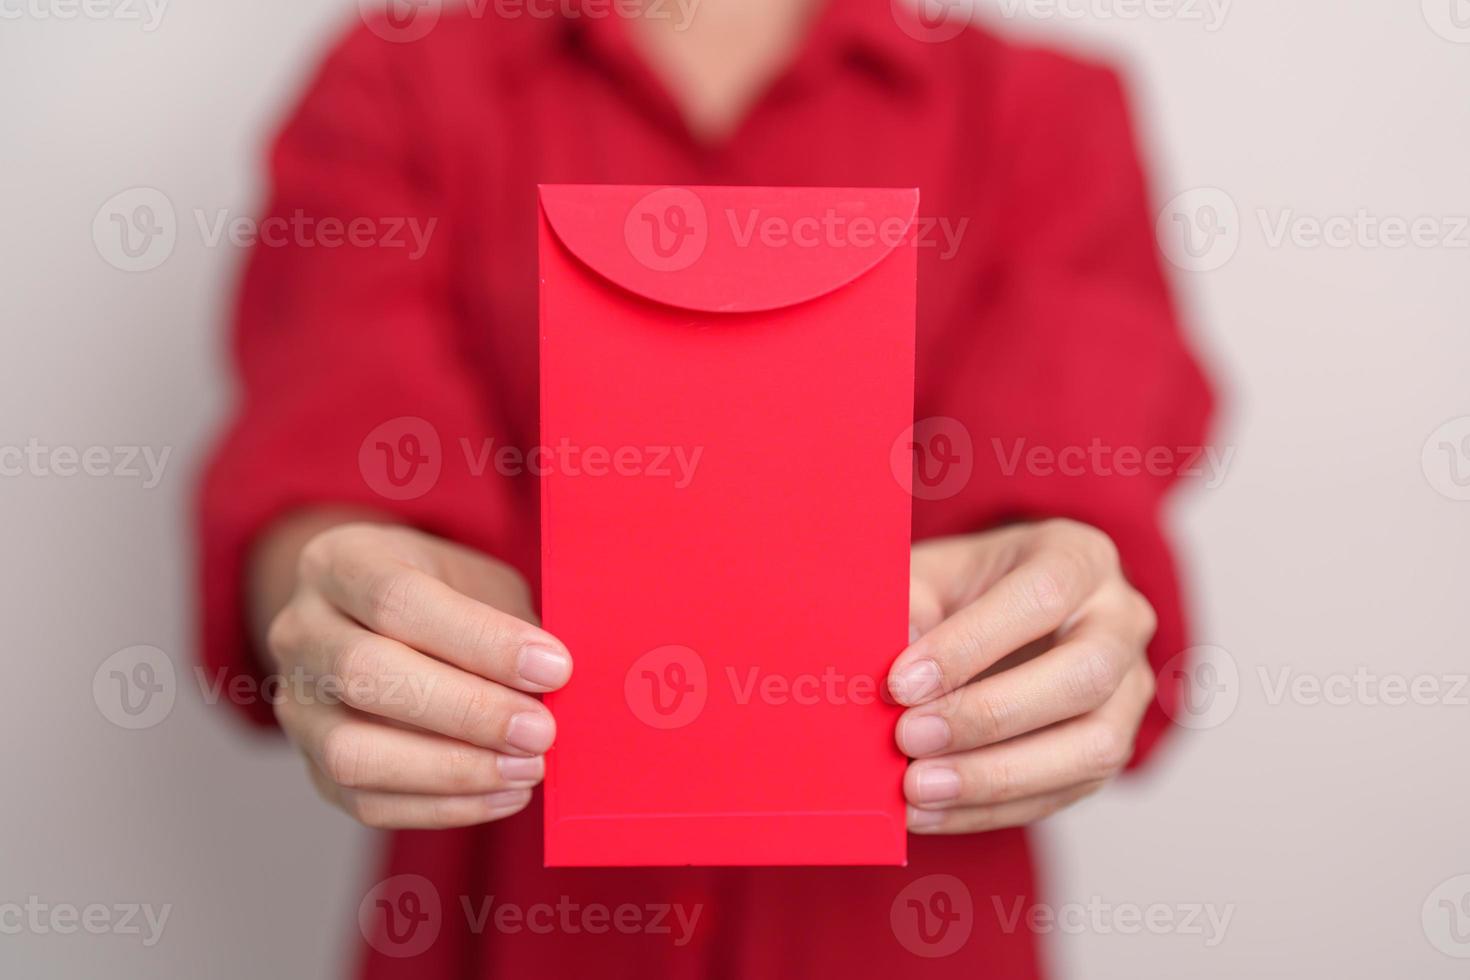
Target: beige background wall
x: 1312, y: 806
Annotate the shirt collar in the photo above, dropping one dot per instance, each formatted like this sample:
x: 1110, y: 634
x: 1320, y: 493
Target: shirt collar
x: 856, y: 33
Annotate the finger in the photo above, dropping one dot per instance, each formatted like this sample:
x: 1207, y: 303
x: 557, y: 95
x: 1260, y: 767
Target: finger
x: 404, y: 811
x: 407, y: 604
x: 1032, y: 600
x: 979, y: 819
x: 1076, y: 676
x: 357, y: 752
x: 385, y: 678
x: 1093, y: 747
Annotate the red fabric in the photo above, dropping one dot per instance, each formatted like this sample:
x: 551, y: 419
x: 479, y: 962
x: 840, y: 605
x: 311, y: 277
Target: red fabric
x: 1050, y: 324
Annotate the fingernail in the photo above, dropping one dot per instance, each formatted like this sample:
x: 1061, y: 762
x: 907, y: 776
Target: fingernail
x: 544, y: 666
x: 514, y: 769
x: 507, y: 798
x: 923, y: 734
x: 914, y: 683
x: 924, y: 819
x: 938, y: 784
x: 531, y: 731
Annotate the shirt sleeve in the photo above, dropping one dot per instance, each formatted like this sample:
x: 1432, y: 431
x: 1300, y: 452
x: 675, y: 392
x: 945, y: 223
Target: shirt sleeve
x: 352, y: 388
x: 1077, y: 384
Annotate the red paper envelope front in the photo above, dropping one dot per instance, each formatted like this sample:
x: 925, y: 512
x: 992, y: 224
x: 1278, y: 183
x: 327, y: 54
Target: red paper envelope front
x: 726, y: 385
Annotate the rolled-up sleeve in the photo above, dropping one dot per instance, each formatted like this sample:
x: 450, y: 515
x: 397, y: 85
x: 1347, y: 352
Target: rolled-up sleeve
x: 352, y: 389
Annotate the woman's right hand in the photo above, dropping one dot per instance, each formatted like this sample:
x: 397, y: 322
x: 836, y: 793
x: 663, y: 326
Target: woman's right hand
x: 428, y: 654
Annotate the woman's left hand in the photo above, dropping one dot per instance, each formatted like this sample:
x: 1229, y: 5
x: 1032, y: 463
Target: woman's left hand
x: 1028, y: 679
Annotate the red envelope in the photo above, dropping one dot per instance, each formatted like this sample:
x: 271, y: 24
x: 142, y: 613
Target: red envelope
x: 727, y: 383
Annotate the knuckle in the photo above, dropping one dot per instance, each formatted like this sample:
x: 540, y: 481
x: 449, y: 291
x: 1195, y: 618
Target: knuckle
x: 356, y: 667
x: 1148, y: 617
x: 284, y: 635
x: 369, y: 811
x: 463, y: 766
x: 390, y: 595
x: 474, y: 711
x: 1107, y: 751
x: 1048, y: 586
x: 989, y: 717
x: 345, y: 757
x: 998, y: 782
x: 1095, y: 676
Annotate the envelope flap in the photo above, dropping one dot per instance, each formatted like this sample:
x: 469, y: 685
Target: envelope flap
x: 729, y: 249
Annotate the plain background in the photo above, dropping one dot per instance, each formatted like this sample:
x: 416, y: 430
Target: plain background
x: 1331, y: 546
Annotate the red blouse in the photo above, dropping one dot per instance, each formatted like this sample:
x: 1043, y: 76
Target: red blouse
x: 1044, y: 326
